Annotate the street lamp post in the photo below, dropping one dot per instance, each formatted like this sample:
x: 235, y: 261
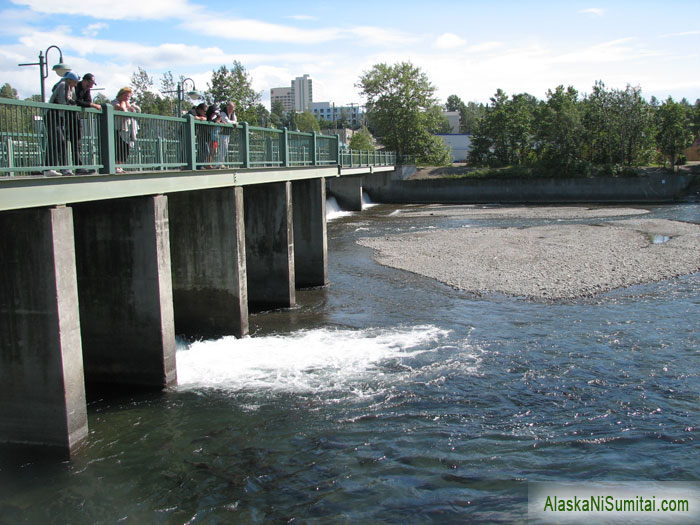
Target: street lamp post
x: 60, y: 68
x: 193, y: 95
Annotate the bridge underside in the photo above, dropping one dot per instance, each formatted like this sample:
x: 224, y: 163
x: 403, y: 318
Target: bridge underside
x: 100, y: 273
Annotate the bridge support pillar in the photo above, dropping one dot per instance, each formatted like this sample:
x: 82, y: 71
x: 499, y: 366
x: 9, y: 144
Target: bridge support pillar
x: 347, y: 191
x: 207, y: 243
x: 310, y: 236
x: 42, y: 390
x: 269, y: 245
x: 125, y: 286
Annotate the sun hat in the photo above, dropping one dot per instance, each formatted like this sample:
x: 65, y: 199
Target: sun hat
x: 71, y: 76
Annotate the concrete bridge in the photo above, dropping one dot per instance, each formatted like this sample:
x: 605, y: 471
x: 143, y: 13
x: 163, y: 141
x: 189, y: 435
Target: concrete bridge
x: 99, y: 272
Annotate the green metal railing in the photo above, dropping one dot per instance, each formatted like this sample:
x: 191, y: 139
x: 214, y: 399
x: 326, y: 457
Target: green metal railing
x: 36, y: 137
x: 360, y: 158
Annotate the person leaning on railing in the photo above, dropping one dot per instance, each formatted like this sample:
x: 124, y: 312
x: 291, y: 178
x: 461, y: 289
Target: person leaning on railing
x: 60, y: 126
x: 228, y: 116
x: 83, y: 98
x: 126, y: 130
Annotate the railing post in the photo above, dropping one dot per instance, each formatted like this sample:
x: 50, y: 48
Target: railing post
x: 314, y: 143
x: 338, y: 154
x: 245, y: 145
x: 10, y: 155
x: 190, y: 144
x: 108, y: 136
x: 161, y: 156
x: 284, y: 147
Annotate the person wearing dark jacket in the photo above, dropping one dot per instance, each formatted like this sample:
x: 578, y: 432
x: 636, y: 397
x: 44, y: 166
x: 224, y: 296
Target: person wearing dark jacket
x: 83, y: 98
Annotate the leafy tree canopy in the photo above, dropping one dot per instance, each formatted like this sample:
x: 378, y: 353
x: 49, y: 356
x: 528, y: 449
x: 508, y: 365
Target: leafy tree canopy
x: 401, y: 111
x: 306, y: 122
x: 362, y: 140
x: 7, y: 91
x: 234, y: 85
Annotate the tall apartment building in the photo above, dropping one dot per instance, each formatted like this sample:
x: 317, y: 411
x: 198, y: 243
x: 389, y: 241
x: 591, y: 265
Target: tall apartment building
x: 302, y: 93
x: 298, y: 97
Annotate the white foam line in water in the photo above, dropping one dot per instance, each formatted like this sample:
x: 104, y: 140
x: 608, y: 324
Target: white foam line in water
x: 366, y: 201
x: 306, y: 361
x: 333, y: 210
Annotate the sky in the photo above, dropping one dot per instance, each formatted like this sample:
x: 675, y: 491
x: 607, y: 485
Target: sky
x: 466, y: 48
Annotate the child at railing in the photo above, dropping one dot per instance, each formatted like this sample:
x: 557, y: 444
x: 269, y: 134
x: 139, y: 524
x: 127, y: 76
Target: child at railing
x: 126, y: 130
x: 228, y: 116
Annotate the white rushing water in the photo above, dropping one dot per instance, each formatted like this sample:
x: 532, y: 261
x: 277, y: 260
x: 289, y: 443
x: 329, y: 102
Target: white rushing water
x: 333, y: 210
x: 318, y: 360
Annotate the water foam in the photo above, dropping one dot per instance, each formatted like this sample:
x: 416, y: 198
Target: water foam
x: 333, y: 209
x: 366, y: 201
x: 319, y: 360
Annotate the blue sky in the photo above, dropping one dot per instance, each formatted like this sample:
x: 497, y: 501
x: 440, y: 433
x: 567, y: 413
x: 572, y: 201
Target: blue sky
x: 467, y: 48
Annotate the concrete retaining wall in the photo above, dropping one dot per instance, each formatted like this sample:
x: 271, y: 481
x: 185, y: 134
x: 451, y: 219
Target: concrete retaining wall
x: 653, y: 188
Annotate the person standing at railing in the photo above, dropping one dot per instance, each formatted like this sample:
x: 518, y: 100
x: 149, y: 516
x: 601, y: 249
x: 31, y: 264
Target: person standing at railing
x: 126, y: 128
x: 83, y: 98
x: 212, y: 134
x: 59, y: 126
x: 228, y: 116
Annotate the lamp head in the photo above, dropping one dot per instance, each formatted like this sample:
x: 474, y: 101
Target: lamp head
x: 61, y: 69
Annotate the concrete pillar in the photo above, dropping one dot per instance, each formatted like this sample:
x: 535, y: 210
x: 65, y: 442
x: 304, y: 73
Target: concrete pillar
x: 310, y: 236
x: 42, y: 391
x: 269, y: 245
x: 125, y: 287
x: 207, y: 246
x: 347, y: 190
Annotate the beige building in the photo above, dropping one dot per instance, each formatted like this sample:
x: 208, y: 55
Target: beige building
x: 284, y: 95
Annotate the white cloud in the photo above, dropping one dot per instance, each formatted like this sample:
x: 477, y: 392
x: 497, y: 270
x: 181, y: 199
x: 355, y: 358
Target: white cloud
x: 240, y: 29
x: 597, y: 11
x: 111, y: 10
x: 449, y: 41
x: 303, y: 17
x: 93, y: 29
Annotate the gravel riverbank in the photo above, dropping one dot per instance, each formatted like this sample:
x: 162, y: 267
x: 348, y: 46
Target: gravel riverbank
x: 551, y: 262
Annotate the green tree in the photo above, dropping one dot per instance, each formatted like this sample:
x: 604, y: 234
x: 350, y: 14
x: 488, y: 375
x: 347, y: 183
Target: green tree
x: 277, y: 114
x: 306, y: 122
x: 362, y: 140
x: 234, y: 85
x: 673, y: 129
x: 399, y: 98
x: 7, y: 91
x: 437, y: 122
x: 560, y: 131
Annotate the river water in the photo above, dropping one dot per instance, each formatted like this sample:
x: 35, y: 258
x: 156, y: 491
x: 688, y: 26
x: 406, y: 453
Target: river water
x: 391, y: 398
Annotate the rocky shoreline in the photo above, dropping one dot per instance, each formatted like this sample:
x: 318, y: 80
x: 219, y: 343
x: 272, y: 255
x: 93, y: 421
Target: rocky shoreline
x: 554, y: 261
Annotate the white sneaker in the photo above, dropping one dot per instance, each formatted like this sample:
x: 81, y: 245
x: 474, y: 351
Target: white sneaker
x: 67, y: 172
x: 51, y: 173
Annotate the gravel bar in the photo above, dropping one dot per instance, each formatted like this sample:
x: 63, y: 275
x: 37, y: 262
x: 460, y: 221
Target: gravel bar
x: 555, y: 261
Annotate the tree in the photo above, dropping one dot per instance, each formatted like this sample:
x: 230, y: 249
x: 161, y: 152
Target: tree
x: 560, y: 131
x: 7, y: 91
x: 362, y: 140
x: 307, y: 123
x: 234, y: 85
x: 277, y: 114
x: 399, y: 98
x: 673, y: 129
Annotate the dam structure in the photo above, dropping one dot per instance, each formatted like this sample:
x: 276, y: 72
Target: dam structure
x: 198, y: 224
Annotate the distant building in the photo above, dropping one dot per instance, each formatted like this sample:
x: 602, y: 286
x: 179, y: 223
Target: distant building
x: 459, y: 145
x: 328, y: 111
x: 302, y: 93
x: 298, y: 97
x: 283, y: 95
x: 453, y: 119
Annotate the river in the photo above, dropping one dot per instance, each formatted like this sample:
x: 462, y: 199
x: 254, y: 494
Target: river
x: 388, y: 397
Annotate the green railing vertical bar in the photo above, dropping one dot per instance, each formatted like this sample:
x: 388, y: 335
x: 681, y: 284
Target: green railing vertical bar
x: 190, y: 143
x: 314, y: 149
x: 245, y: 146
x: 284, y: 147
x: 107, y: 143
